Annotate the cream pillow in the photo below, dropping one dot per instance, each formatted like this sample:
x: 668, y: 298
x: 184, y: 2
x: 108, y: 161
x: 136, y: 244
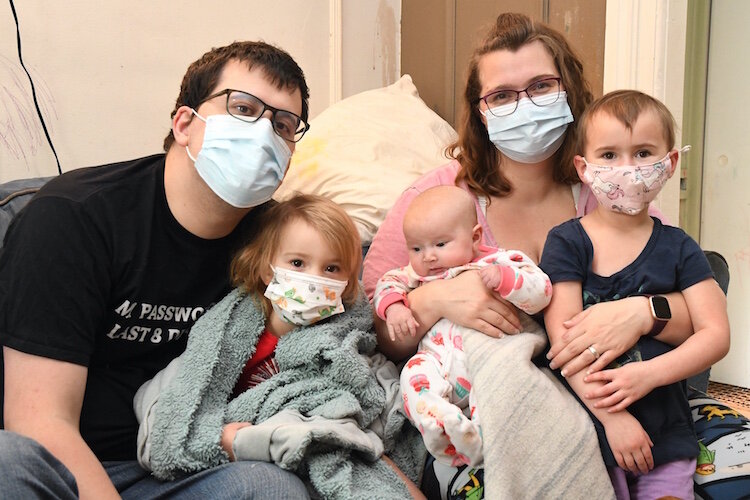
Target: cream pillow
x: 363, y: 151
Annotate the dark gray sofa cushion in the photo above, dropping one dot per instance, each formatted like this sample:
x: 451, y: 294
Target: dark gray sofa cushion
x: 13, y: 196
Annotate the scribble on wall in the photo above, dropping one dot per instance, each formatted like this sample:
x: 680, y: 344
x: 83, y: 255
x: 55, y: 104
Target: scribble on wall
x: 21, y: 133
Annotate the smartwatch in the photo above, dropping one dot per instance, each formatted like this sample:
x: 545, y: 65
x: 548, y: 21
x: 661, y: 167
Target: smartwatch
x: 661, y: 313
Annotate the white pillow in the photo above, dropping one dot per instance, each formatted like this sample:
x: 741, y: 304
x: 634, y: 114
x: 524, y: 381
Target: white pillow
x: 363, y: 151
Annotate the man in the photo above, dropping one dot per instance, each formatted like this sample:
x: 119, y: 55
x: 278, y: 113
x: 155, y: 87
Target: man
x: 106, y: 269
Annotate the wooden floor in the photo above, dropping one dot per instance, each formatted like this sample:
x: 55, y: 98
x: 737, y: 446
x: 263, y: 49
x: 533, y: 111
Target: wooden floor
x: 733, y: 396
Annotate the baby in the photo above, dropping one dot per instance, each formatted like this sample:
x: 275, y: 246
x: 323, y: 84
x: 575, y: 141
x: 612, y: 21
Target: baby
x: 640, y: 407
x: 444, y: 240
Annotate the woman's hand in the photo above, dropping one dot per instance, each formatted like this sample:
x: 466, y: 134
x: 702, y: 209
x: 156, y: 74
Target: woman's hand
x: 611, y: 328
x: 623, y: 386
x: 465, y: 301
x: 227, y: 436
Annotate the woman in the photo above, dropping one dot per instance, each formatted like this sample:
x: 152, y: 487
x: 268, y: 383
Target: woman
x: 524, y: 200
x: 514, y: 155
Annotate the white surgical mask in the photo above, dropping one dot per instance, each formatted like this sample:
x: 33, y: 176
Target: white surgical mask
x: 628, y: 189
x: 532, y: 133
x: 242, y: 162
x: 302, y: 299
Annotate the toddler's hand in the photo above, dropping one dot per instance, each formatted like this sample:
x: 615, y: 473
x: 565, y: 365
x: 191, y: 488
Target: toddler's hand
x: 491, y: 276
x: 630, y: 444
x: 227, y: 437
x: 400, y: 321
x: 623, y: 386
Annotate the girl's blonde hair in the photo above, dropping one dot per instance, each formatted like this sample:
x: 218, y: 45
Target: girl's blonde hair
x: 334, y: 225
x: 479, y: 158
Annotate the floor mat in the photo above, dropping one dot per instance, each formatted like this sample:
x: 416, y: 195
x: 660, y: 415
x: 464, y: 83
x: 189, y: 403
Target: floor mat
x: 734, y: 396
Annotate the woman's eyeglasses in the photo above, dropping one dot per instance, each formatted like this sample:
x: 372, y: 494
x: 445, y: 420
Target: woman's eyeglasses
x: 497, y: 101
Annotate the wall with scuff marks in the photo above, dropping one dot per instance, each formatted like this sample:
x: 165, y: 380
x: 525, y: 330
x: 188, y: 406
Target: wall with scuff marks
x: 107, y: 73
x: 725, y: 216
x: 371, y: 42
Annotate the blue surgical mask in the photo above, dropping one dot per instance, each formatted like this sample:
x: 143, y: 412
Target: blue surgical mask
x: 534, y: 132
x: 243, y: 163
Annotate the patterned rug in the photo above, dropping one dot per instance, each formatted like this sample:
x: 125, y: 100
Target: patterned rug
x: 734, y: 396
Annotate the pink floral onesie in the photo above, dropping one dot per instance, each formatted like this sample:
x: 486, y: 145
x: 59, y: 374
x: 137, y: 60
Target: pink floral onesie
x: 435, y: 385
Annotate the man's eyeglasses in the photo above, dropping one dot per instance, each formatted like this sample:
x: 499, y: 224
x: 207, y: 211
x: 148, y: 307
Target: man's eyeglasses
x: 248, y: 108
x: 498, y: 101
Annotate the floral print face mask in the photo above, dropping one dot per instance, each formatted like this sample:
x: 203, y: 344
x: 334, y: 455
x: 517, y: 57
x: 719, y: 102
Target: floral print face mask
x: 303, y: 299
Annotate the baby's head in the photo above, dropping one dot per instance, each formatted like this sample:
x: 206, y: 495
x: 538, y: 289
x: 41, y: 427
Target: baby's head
x: 308, y: 234
x: 626, y: 149
x: 441, y: 230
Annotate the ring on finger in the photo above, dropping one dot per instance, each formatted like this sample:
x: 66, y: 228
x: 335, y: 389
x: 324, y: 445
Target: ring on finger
x: 594, y: 352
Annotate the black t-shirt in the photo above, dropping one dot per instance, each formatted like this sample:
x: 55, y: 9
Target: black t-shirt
x: 96, y: 271
x: 671, y: 261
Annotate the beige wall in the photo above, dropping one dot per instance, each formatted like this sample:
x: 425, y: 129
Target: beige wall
x: 107, y: 73
x: 371, y: 37
x: 725, y: 214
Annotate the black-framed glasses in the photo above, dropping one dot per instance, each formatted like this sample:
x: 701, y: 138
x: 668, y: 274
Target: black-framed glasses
x: 248, y: 108
x: 504, y: 102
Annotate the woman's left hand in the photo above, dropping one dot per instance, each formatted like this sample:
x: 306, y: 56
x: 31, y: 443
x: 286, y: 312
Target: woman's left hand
x: 623, y: 386
x: 600, y: 334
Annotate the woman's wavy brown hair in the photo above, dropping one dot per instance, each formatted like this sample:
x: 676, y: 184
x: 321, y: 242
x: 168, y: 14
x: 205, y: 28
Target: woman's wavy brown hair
x: 479, y: 158
x: 330, y: 220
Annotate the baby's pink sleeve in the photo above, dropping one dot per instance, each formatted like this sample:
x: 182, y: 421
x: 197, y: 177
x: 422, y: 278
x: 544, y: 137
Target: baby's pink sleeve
x: 524, y: 283
x: 391, y: 288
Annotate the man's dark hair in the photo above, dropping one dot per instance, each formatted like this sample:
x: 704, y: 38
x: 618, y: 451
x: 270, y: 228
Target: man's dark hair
x: 203, y: 75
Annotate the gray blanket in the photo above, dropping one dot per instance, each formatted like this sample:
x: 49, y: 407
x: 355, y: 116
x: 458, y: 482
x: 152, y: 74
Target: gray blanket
x: 326, y: 372
x: 538, y: 442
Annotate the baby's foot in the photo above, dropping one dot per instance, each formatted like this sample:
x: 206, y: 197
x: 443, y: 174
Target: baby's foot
x: 466, y: 437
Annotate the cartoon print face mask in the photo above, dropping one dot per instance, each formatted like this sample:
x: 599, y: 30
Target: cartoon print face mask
x: 628, y: 189
x: 303, y: 299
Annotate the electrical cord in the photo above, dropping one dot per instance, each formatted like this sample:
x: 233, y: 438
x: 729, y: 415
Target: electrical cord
x: 33, y: 89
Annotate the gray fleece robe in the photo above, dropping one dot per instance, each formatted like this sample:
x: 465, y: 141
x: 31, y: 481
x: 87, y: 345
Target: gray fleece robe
x: 327, y: 415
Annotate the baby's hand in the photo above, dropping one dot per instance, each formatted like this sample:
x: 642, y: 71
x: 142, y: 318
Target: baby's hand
x: 492, y: 276
x: 400, y: 321
x: 630, y: 444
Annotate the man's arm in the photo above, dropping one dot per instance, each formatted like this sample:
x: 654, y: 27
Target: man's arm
x: 43, y: 399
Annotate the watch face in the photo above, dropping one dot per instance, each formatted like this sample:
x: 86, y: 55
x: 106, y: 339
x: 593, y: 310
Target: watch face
x: 660, y: 307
